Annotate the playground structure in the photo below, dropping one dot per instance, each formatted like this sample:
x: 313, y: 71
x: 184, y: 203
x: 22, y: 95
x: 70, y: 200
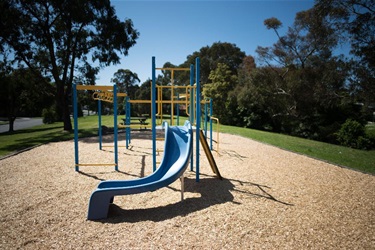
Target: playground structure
x: 192, y: 101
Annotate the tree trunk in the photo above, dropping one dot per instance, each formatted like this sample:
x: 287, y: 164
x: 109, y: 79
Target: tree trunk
x: 67, y: 123
x: 62, y: 101
x: 67, y: 103
x: 11, y: 123
x: 66, y: 117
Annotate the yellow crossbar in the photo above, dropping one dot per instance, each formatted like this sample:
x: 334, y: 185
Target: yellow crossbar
x: 173, y: 68
x: 140, y: 101
x: 134, y: 126
x: 93, y: 87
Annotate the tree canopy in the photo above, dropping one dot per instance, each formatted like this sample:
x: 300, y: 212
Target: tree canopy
x: 300, y: 85
x: 126, y: 81
x: 354, y: 21
x: 211, y: 56
x: 64, y: 39
x: 22, y: 93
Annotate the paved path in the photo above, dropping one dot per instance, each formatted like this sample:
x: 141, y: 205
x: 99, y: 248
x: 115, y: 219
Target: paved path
x: 22, y: 123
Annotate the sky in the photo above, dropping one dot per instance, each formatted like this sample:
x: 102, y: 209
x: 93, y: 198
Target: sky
x: 172, y: 30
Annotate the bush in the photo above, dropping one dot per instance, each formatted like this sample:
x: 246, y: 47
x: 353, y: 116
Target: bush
x: 49, y: 115
x: 353, y: 134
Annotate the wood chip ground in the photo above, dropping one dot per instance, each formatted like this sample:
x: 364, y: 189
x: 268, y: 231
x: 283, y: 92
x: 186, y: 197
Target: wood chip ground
x: 269, y: 199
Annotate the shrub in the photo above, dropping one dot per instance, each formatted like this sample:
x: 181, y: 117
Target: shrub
x: 49, y: 115
x: 352, y: 134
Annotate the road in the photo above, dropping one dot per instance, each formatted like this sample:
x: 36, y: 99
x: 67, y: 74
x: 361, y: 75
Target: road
x: 22, y: 123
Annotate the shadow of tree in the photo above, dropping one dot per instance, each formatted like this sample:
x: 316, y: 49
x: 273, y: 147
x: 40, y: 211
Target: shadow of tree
x: 27, y: 131
x: 22, y: 140
x: 256, y: 190
x: 95, y: 175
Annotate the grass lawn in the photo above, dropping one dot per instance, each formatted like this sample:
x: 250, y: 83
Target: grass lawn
x: 357, y: 159
x: 25, y: 138
x: 363, y: 160
x: 370, y: 129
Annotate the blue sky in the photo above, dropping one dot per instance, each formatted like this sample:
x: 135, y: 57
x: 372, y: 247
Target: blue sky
x: 172, y: 30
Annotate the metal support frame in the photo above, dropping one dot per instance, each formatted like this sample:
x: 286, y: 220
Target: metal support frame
x: 75, y: 117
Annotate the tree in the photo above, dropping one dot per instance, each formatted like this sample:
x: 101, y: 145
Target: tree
x: 60, y: 37
x: 211, y: 56
x: 245, y: 70
x: 143, y: 93
x: 248, y: 64
x: 23, y: 94
x: 302, y: 87
x: 223, y: 81
x: 309, y: 37
x: 262, y: 101
x: 126, y: 81
x: 355, y: 20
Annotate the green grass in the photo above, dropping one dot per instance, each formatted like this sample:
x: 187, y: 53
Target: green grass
x: 357, y: 159
x: 370, y: 129
x: 362, y: 160
x: 26, y: 138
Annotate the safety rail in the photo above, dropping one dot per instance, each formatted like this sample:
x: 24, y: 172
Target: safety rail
x: 217, y: 131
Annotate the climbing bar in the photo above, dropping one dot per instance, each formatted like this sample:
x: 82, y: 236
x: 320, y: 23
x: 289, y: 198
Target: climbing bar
x: 103, y: 96
x: 106, y: 96
x: 96, y: 164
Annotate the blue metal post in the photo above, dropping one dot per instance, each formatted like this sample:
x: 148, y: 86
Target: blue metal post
x: 205, y: 119
x: 100, y: 123
x: 115, y: 124
x: 192, y: 118
x: 153, y: 116
x: 191, y: 107
x: 198, y: 117
x: 127, y: 121
x: 75, y: 127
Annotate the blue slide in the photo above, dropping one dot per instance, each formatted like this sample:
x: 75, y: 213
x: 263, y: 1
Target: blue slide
x: 178, y: 148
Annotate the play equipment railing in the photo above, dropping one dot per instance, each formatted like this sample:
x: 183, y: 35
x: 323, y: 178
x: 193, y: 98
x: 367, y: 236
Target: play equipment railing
x: 217, y: 133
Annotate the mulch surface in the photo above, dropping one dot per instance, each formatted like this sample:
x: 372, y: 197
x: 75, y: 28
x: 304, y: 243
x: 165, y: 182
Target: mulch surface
x: 269, y: 198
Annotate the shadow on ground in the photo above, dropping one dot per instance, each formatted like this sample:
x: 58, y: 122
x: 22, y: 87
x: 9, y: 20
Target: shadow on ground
x: 212, y: 192
x: 209, y: 197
